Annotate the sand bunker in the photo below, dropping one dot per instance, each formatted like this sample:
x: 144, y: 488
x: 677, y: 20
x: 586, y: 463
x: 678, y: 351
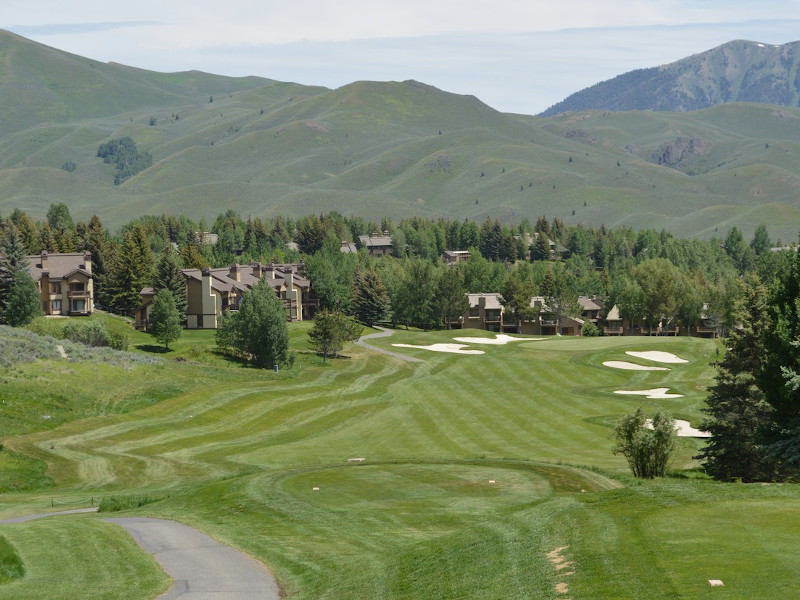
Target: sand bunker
x: 500, y: 339
x: 453, y: 348
x: 621, y: 364
x: 656, y: 356
x: 683, y: 428
x: 660, y: 393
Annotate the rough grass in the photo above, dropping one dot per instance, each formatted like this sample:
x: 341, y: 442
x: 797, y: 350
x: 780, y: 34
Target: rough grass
x: 238, y: 452
x: 80, y: 558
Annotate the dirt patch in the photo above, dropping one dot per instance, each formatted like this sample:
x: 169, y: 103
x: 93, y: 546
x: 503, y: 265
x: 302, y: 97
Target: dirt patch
x: 563, y: 568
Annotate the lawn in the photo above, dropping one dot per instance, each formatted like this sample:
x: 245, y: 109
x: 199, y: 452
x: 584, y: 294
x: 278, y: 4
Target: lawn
x: 482, y: 474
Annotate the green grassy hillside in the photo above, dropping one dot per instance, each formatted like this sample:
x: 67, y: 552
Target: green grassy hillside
x: 485, y: 476
x: 379, y: 149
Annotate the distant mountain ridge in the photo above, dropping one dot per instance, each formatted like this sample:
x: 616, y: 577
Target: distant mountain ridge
x: 739, y: 71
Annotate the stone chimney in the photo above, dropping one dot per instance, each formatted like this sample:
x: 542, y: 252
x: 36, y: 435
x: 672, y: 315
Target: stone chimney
x: 257, y: 270
x: 87, y: 261
x: 44, y: 260
x: 235, y: 273
x: 288, y: 277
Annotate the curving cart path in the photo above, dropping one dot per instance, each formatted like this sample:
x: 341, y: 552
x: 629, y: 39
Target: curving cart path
x: 383, y: 333
x: 201, y: 567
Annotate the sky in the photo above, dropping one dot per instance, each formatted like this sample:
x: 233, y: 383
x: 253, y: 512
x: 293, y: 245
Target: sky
x: 517, y: 56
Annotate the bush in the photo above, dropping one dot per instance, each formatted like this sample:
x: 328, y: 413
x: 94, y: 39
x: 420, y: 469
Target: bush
x: 119, y: 503
x: 92, y: 333
x: 647, y: 450
x: 590, y: 329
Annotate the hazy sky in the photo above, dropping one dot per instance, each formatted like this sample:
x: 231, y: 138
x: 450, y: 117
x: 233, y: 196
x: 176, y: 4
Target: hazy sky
x: 515, y: 55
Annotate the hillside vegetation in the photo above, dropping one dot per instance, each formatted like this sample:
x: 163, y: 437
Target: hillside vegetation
x: 378, y: 149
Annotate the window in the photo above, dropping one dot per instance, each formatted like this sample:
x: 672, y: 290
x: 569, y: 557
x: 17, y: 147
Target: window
x: 56, y: 307
x: 55, y: 288
x: 77, y: 287
x: 79, y: 306
x: 474, y: 312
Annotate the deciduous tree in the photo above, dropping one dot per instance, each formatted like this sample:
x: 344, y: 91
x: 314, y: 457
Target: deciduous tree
x: 165, y: 321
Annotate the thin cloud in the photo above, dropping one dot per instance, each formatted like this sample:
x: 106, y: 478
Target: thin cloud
x: 78, y: 28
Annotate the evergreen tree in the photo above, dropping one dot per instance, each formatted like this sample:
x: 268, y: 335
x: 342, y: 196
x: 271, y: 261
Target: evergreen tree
x: 761, y: 242
x: 133, y: 270
x: 12, y: 260
x: 23, y: 303
x: 164, y: 318
x: 738, y: 414
x: 370, y: 299
x: 168, y: 276
x: 330, y: 332
x: 540, y: 250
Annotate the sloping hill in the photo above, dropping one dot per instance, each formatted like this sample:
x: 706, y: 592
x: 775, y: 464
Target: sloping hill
x: 739, y: 71
x: 396, y: 149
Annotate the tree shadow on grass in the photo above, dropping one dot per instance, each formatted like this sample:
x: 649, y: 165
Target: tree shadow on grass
x: 152, y: 349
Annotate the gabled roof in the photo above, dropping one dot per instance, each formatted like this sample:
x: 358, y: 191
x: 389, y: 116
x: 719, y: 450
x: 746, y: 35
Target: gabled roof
x: 59, y: 265
x: 370, y: 241
x: 492, y: 300
x: 589, y: 303
x: 613, y: 314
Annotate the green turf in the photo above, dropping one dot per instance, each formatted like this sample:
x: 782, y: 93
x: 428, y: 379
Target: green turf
x: 477, y: 469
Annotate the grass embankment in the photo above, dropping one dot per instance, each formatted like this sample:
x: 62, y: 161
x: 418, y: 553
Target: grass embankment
x: 464, y: 491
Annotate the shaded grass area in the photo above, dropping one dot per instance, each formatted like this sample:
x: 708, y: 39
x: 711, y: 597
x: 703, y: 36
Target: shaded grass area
x: 11, y: 566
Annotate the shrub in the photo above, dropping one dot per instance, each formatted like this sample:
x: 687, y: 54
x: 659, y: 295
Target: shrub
x: 92, y: 333
x: 590, y: 329
x: 119, y: 503
x: 648, y: 451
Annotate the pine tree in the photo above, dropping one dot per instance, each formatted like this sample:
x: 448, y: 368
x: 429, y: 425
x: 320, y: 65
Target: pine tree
x: 23, y: 303
x: 370, y: 299
x: 738, y: 414
x: 169, y: 277
x: 12, y: 261
x: 133, y: 270
x: 330, y: 331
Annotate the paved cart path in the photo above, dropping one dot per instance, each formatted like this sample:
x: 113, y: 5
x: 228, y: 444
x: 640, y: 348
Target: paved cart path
x: 201, y: 567
x: 384, y: 333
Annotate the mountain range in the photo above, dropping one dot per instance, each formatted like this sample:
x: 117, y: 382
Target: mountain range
x: 374, y: 149
x: 739, y: 71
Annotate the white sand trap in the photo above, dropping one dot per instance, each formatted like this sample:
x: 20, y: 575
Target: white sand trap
x: 500, y: 339
x: 656, y: 356
x: 629, y: 366
x: 453, y: 348
x: 683, y: 428
x: 659, y: 393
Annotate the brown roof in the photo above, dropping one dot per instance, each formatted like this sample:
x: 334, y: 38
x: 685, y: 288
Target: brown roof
x: 59, y: 265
